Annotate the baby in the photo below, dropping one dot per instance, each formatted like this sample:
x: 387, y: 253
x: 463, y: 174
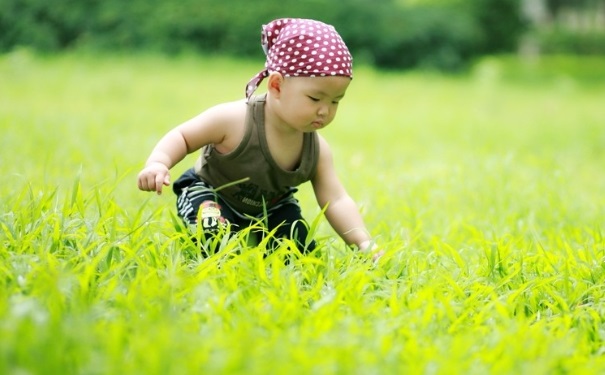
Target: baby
x: 255, y: 152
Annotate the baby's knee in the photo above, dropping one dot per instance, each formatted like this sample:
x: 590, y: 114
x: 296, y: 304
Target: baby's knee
x: 210, y: 217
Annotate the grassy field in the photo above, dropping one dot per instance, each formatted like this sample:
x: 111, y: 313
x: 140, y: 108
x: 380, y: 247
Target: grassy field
x: 485, y: 190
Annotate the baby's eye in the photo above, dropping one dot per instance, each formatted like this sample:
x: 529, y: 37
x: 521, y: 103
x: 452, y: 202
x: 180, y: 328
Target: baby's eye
x: 314, y: 99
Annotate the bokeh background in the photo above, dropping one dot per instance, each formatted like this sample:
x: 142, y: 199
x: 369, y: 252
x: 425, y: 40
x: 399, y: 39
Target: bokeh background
x: 394, y: 34
x: 473, y: 139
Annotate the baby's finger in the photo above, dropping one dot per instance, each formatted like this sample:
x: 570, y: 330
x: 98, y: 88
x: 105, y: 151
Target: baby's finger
x: 159, y: 182
x: 376, y: 256
x: 144, y: 183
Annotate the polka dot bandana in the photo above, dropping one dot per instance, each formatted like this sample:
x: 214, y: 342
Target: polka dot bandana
x: 302, y: 48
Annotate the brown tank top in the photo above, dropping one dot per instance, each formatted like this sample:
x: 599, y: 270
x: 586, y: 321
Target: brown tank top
x: 248, y: 178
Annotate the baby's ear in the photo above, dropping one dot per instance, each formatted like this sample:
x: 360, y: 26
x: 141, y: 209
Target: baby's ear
x: 274, y: 83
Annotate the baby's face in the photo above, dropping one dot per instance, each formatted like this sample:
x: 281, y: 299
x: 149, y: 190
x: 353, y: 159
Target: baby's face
x: 310, y: 103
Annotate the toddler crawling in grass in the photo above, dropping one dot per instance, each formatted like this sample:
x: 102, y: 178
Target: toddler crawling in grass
x: 256, y: 151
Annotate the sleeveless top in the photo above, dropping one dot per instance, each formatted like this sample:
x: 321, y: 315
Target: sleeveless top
x: 248, y: 178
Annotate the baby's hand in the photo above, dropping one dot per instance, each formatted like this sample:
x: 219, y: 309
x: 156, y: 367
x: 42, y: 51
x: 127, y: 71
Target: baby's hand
x: 153, y: 177
x: 371, y: 248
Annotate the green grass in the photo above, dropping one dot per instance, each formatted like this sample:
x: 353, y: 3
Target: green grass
x: 485, y: 191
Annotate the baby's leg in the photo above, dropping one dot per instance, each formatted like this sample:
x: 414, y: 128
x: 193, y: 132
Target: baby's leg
x: 207, y: 218
x: 199, y: 207
x: 289, y: 222
x: 208, y: 222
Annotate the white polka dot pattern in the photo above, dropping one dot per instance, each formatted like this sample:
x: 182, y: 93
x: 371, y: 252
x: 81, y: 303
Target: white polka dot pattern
x: 302, y: 48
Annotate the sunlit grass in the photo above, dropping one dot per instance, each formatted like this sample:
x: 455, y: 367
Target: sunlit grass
x: 484, y: 190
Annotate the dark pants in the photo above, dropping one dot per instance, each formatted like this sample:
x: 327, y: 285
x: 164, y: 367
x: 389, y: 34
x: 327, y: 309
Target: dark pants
x: 285, y: 218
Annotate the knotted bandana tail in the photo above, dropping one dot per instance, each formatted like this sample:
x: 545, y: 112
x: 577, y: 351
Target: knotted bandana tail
x: 302, y: 48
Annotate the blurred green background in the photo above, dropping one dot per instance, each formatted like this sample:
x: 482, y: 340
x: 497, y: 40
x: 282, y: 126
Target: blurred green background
x: 402, y: 34
x: 484, y: 186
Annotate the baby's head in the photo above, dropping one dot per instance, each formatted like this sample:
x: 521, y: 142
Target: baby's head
x: 302, y: 48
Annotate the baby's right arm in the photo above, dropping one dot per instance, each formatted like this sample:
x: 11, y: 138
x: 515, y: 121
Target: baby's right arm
x: 171, y: 149
x: 215, y: 125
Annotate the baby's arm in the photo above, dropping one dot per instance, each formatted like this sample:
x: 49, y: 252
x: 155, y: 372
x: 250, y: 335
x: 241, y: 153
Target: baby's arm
x: 342, y: 212
x: 211, y: 126
x: 171, y: 149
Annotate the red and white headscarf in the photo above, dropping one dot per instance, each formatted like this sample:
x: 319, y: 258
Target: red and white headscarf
x: 302, y: 48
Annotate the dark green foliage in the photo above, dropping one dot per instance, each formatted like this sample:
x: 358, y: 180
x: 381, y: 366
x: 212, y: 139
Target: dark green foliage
x: 559, y: 41
x: 500, y: 24
x: 47, y: 26
x: 385, y: 32
x: 436, y: 37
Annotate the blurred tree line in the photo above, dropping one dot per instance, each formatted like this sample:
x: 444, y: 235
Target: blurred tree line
x: 566, y: 26
x: 443, y: 34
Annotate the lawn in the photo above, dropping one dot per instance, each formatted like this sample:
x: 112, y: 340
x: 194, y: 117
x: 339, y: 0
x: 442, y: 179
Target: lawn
x: 485, y: 190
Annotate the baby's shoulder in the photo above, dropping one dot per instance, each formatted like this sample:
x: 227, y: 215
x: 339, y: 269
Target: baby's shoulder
x: 230, y: 117
x: 229, y: 112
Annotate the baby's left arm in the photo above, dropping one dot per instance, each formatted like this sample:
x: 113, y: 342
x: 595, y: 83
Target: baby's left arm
x: 342, y: 212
